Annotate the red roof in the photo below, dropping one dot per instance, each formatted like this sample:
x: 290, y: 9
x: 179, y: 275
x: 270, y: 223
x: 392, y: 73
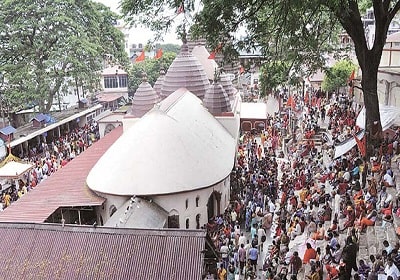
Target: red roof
x: 108, y: 97
x: 44, y: 251
x: 65, y: 188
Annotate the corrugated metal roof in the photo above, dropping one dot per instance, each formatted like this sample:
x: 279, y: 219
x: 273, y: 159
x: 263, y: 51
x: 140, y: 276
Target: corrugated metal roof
x: 7, y: 130
x: 44, y: 251
x: 66, y: 187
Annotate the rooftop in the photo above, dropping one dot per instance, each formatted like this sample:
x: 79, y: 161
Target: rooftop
x: 65, y: 188
x: 80, y: 252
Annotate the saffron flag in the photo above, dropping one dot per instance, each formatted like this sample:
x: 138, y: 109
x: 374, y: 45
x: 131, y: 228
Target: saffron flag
x: 212, y: 55
x: 306, y: 98
x: 159, y: 54
x: 291, y: 103
x: 361, y: 144
x: 141, y: 57
x: 352, y: 76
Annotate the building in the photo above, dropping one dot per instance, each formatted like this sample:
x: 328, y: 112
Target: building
x: 178, y: 157
x: 115, y: 87
x: 163, y: 164
x: 85, y: 252
x: 389, y: 72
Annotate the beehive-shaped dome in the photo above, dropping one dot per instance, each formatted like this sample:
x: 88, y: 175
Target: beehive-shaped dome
x: 216, y: 100
x: 159, y: 82
x: 144, y: 99
x: 185, y: 72
x: 227, y: 85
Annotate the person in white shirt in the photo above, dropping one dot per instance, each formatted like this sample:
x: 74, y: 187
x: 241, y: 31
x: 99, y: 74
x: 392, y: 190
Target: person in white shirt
x: 388, y: 180
x: 242, y: 239
x: 391, y: 269
x: 261, y: 236
x: 296, y: 231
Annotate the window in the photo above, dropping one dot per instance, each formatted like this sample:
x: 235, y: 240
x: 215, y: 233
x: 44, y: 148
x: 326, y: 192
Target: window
x: 187, y: 203
x: 110, y: 82
x: 198, y: 221
x: 112, y: 210
x: 197, y: 201
x: 123, y: 81
x: 187, y: 223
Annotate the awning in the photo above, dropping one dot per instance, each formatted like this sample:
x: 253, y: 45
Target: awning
x: 389, y: 116
x: 347, y: 145
x: 14, y: 170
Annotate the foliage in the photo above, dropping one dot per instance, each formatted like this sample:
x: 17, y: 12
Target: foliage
x: 338, y: 75
x: 170, y: 48
x: 302, y: 32
x: 48, y: 45
x: 151, y: 67
x: 272, y: 75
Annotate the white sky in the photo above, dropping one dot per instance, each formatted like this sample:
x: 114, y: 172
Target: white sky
x: 140, y: 35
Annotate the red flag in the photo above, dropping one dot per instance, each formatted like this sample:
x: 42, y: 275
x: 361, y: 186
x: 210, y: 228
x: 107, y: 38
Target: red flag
x: 212, y: 55
x: 241, y: 70
x: 141, y: 57
x: 352, y: 76
x: 361, y: 145
x: 180, y: 10
x: 291, y: 103
x: 306, y: 98
x: 159, y: 54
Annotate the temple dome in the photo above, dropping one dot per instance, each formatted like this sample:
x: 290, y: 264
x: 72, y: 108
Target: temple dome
x: 216, y: 100
x: 210, y: 66
x: 176, y: 147
x: 227, y: 85
x: 144, y: 99
x: 159, y: 82
x: 185, y: 72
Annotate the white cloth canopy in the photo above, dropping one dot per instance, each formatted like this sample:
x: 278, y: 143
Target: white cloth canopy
x: 14, y: 170
x: 389, y: 116
x: 347, y: 145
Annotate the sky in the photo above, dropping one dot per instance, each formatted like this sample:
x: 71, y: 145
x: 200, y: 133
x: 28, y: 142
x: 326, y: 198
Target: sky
x: 140, y: 35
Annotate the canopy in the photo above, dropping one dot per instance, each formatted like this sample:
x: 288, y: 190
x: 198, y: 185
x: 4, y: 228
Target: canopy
x: 14, y: 170
x: 389, y: 116
x: 347, y: 145
x: 13, y: 167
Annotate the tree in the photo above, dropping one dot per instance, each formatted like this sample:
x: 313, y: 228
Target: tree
x: 272, y: 75
x: 338, y: 75
x: 151, y: 67
x: 48, y: 45
x: 305, y: 28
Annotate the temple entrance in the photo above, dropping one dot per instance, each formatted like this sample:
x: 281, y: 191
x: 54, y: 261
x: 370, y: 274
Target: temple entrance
x: 214, y: 205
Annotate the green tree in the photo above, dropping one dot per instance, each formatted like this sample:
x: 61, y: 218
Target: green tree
x: 305, y: 29
x: 48, y: 45
x: 338, y: 75
x: 149, y: 66
x: 272, y: 75
x: 170, y: 48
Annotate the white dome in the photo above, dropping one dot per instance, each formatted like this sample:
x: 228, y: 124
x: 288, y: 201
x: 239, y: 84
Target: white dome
x: 177, y: 147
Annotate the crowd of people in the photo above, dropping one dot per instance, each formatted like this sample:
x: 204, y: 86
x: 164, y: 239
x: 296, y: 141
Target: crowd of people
x: 307, y: 210
x: 47, y: 158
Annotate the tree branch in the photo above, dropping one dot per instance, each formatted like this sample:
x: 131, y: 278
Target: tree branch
x: 393, y: 11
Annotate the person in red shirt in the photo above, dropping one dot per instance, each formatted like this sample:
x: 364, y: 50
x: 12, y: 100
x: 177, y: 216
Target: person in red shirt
x: 310, y: 254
